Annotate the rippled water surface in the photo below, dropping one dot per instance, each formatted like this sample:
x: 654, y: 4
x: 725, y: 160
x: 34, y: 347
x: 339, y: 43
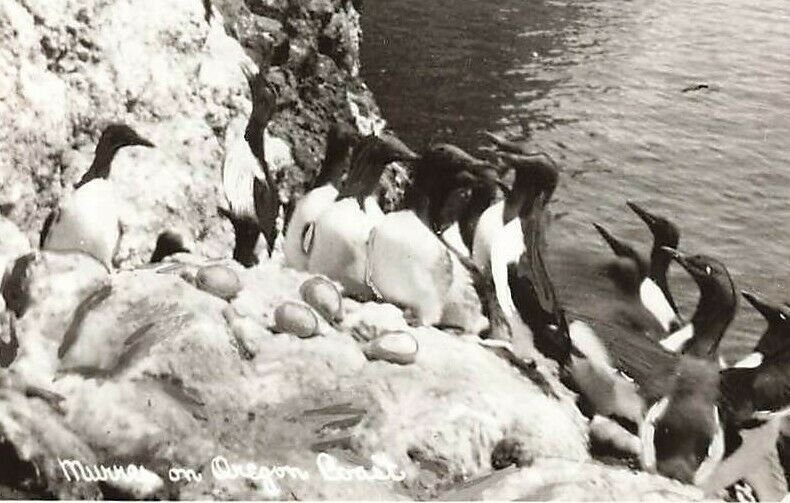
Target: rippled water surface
x: 599, y: 83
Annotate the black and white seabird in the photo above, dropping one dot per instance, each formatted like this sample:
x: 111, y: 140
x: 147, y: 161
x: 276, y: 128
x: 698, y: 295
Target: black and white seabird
x: 408, y: 264
x: 516, y: 248
x: 247, y: 182
x: 337, y: 240
x: 682, y: 433
x: 715, y: 309
x: 87, y: 220
x: 665, y: 233
x: 325, y: 188
x: 650, y: 294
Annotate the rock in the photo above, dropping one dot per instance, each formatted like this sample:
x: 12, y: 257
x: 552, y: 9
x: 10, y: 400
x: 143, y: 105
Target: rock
x: 34, y: 440
x: 218, y: 280
x: 394, y: 347
x: 509, y: 451
x: 563, y: 480
x: 140, y: 484
x: 12, y: 244
x: 295, y: 318
x: 45, y: 291
x: 66, y: 77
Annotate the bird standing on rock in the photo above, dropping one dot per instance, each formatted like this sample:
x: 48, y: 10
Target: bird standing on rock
x: 325, y: 188
x: 87, y: 220
x: 336, y: 241
x: 407, y: 264
x: 248, y: 184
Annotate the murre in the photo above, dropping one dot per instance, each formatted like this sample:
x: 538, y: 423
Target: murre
x: 247, y: 182
x: 650, y: 294
x: 665, y: 233
x: 325, y: 188
x: 407, y: 264
x: 715, y: 309
x: 87, y: 220
x: 336, y: 241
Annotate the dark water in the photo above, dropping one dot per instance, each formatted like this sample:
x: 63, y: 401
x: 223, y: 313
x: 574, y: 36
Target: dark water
x: 598, y: 82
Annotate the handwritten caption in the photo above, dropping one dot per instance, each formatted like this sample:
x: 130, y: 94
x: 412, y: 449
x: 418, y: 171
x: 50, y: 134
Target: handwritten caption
x: 330, y: 469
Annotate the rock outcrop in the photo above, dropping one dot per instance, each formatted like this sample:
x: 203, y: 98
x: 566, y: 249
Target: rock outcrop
x: 140, y: 384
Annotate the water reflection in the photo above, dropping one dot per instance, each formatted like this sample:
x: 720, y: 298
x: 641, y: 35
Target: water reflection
x: 432, y: 90
x: 599, y: 83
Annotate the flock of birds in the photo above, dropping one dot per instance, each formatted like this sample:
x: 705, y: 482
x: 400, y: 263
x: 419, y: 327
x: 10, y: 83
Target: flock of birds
x: 653, y: 375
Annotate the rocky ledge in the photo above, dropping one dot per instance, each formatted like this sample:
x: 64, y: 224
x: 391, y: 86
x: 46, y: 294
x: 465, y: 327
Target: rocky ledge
x: 176, y: 381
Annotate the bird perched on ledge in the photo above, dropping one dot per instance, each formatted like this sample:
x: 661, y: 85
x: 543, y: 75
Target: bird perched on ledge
x: 336, y: 241
x: 247, y: 181
x: 87, y: 220
x: 325, y: 188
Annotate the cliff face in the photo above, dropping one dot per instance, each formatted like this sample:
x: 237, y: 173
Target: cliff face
x: 174, y: 71
x: 141, y: 367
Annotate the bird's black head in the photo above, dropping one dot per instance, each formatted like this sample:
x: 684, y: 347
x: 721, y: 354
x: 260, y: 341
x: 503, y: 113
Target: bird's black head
x: 717, y: 302
x: 387, y: 148
x: 340, y: 140
x: 537, y: 176
x: 116, y: 136
x: 682, y: 434
x: 168, y: 243
x: 371, y: 155
x: 708, y: 273
x: 776, y: 338
x: 341, y: 137
x: 624, y: 272
x: 665, y: 233
x: 264, y: 97
x: 463, y: 196
x: 113, y: 138
x: 623, y: 250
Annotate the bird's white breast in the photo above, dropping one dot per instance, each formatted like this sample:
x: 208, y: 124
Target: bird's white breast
x: 307, y: 210
x: 506, y: 247
x: 675, y: 341
x: 408, y: 265
x: 488, y: 226
x: 656, y: 302
x: 452, y: 236
x: 238, y: 172
x: 339, y: 244
x: 87, y: 221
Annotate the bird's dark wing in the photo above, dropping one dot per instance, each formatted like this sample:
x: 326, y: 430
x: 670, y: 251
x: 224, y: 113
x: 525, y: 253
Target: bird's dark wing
x: 637, y: 356
x: 267, y: 208
x: 533, y: 292
x: 47, y: 226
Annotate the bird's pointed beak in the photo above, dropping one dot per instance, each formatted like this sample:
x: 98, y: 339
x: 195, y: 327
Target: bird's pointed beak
x: 615, y: 244
x: 398, y: 150
x: 682, y: 259
x: 675, y: 254
x: 647, y: 217
x: 144, y: 142
x: 768, y: 309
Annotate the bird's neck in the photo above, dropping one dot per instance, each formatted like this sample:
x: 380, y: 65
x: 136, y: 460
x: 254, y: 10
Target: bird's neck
x: 100, y: 167
x: 482, y: 199
x: 336, y: 161
x: 418, y: 200
x: 659, y: 266
x: 711, y: 319
x: 254, y: 137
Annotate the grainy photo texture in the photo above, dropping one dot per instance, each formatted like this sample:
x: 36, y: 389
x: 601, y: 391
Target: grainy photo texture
x: 399, y: 250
